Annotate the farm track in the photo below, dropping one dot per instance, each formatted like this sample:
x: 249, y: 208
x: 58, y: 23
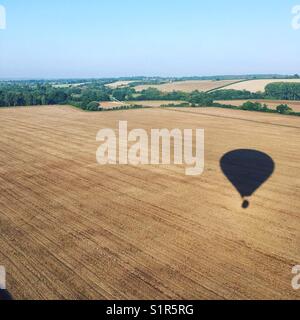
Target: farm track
x: 71, y: 229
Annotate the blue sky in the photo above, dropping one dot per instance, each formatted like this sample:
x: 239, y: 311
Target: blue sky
x: 108, y: 38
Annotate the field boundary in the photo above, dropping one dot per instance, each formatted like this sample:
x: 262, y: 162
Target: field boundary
x: 227, y: 85
x: 233, y: 118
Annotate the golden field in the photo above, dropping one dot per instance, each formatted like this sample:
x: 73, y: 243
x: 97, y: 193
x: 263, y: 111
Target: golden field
x: 119, y: 84
x: 72, y: 229
x: 272, y: 104
x: 188, y: 86
x: 257, y: 85
x: 155, y: 103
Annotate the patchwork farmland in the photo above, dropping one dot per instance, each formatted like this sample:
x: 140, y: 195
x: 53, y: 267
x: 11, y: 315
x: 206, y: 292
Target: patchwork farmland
x: 189, y: 86
x: 71, y: 229
x: 119, y: 84
x: 257, y: 85
x: 156, y: 103
x: 272, y: 104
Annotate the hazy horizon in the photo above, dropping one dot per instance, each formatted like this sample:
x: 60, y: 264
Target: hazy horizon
x: 237, y: 76
x: 110, y: 39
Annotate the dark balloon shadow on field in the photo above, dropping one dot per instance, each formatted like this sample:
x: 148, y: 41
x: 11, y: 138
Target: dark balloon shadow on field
x: 5, y: 295
x: 247, y: 170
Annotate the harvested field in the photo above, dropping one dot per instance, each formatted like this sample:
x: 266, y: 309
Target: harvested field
x: 71, y: 229
x: 69, y: 85
x: 112, y: 104
x: 257, y: 85
x: 155, y: 103
x: 119, y: 84
x: 248, y: 116
x: 188, y: 86
x: 272, y: 104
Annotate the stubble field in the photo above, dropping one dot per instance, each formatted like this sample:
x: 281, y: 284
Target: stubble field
x: 272, y: 104
x: 189, y: 86
x: 72, y: 229
x: 257, y: 85
x: 119, y: 84
x: 156, y: 103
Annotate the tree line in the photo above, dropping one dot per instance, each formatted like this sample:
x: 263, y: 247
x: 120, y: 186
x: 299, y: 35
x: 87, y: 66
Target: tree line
x: 32, y: 94
x: 283, y: 91
x: 88, y: 95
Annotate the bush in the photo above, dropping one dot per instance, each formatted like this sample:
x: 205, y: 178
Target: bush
x: 200, y: 99
x: 93, y: 106
x: 254, y: 106
x: 283, y: 109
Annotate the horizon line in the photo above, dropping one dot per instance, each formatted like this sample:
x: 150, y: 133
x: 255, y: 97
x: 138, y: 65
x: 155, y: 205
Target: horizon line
x: 145, y: 77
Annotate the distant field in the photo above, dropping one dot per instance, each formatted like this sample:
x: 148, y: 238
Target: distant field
x: 249, y: 116
x: 257, y: 85
x: 272, y: 104
x: 72, y: 229
x: 112, y: 104
x: 155, y: 103
x: 69, y: 85
x: 146, y: 103
x: 188, y: 86
x: 119, y: 84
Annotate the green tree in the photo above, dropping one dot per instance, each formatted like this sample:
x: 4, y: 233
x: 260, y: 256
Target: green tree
x: 253, y: 106
x: 283, y: 109
x: 93, y: 106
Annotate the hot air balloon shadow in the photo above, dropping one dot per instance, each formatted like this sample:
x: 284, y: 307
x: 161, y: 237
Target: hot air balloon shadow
x: 247, y: 170
x: 5, y: 295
